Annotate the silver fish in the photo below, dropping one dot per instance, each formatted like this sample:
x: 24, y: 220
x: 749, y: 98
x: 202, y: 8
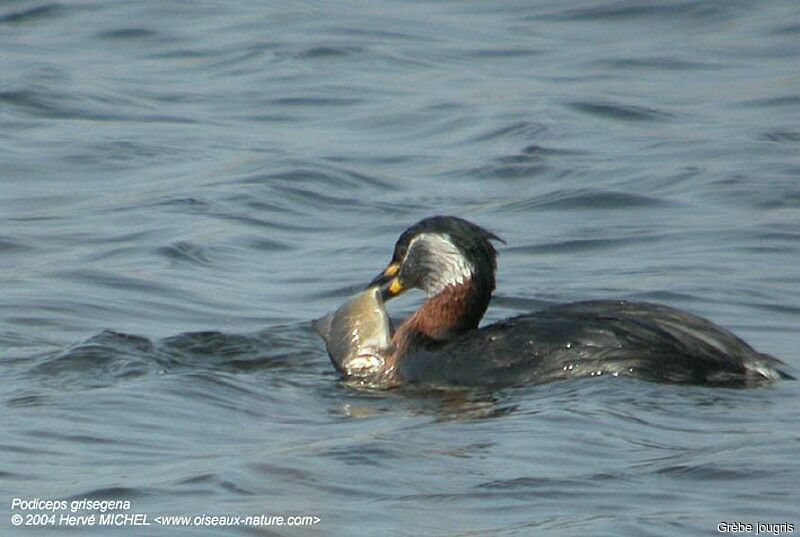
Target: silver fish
x: 358, y: 334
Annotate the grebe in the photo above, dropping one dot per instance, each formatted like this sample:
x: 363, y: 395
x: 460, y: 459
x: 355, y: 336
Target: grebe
x: 454, y: 262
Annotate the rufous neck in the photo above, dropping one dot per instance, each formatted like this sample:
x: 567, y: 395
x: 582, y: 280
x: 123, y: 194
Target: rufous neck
x: 454, y: 310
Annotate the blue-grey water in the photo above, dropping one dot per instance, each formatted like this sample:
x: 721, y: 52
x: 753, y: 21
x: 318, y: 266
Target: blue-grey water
x: 184, y: 185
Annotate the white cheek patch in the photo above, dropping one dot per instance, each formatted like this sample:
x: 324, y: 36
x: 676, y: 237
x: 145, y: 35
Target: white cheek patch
x: 443, y: 262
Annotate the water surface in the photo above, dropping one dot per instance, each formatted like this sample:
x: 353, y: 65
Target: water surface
x: 185, y: 185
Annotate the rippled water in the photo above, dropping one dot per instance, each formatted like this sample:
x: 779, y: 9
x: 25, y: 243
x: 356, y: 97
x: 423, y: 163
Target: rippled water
x: 186, y: 184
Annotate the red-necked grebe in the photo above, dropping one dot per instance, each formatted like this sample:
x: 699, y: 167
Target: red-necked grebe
x: 453, y: 261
